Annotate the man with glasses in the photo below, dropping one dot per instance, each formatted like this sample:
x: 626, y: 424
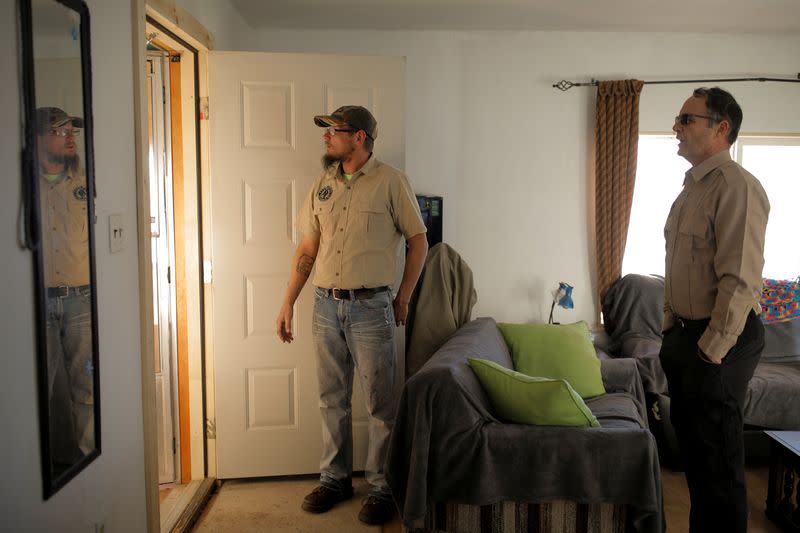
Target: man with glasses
x: 65, y: 261
x: 713, y: 336
x: 354, y: 221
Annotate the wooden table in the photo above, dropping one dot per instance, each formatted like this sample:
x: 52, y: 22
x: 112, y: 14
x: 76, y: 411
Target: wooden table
x: 783, y: 494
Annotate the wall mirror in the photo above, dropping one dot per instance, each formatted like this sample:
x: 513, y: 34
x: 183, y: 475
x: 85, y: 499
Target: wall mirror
x: 58, y: 190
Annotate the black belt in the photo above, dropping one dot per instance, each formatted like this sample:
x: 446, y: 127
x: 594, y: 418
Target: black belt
x: 63, y: 291
x: 353, y: 294
x: 688, y: 323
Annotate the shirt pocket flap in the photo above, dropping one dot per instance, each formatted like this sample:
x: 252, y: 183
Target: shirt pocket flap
x: 322, y: 208
x: 699, y: 232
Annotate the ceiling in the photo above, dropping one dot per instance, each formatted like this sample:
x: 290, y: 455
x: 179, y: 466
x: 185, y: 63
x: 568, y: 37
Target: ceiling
x: 728, y: 16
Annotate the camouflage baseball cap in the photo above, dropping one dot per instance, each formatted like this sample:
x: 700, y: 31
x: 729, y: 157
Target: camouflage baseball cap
x: 355, y: 116
x: 54, y: 117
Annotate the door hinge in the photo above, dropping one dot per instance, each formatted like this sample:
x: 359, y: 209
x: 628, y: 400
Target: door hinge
x: 211, y: 428
x: 169, y: 274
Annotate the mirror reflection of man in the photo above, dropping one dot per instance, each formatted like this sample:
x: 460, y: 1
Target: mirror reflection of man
x: 65, y: 260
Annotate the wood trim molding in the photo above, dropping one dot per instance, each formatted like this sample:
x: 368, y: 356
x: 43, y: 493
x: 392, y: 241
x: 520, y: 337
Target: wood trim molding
x: 174, y: 17
x: 181, y: 308
x: 149, y: 418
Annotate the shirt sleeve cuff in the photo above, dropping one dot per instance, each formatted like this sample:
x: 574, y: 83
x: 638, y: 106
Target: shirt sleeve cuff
x: 716, y: 345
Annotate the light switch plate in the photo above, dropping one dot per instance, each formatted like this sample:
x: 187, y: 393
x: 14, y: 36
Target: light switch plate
x: 116, y: 233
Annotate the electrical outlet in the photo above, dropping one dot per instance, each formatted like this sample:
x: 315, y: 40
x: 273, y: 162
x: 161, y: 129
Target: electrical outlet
x: 116, y: 233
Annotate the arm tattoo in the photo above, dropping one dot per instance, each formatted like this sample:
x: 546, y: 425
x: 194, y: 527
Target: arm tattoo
x: 304, y: 265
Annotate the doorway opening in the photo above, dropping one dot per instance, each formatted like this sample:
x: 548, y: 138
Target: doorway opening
x: 177, y: 282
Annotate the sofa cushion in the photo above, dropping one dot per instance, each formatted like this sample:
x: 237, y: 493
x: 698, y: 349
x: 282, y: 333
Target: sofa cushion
x: 557, y: 352
x: 524, y: 399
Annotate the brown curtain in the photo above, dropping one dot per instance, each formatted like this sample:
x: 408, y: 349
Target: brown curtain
x: 616, y: 142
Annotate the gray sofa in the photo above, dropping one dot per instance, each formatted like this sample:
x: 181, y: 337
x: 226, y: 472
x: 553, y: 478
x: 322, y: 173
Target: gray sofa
x: 633, y: 312
x: 453, y: 466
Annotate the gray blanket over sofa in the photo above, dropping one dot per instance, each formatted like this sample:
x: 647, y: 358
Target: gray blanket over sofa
x: 633, y: 311
x: 447, y: 446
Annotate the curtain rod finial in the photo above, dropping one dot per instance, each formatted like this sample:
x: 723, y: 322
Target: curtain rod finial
x: 564, y: 85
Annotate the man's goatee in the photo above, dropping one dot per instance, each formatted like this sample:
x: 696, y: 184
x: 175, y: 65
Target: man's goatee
x: 328, y: 160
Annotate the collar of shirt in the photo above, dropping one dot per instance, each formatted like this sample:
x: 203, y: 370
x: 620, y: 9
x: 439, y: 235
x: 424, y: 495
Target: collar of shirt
x: 703, y: 169
x: 336, y: 170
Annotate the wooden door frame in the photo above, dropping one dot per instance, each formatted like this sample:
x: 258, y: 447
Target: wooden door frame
x: 181, y: 23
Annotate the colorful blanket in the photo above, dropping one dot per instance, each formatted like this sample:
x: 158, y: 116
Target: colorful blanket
x: 780, y: 300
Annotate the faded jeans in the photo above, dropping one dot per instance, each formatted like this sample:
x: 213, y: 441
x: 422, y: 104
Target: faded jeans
x: 70, y: 374
x: 356, y: 334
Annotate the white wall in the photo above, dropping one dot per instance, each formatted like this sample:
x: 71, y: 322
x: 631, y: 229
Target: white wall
x: 484, y: 129
x: 510, y: 154
x: 111, y: 489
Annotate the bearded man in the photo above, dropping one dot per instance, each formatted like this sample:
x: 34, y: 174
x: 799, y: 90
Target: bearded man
x: 354, y: 219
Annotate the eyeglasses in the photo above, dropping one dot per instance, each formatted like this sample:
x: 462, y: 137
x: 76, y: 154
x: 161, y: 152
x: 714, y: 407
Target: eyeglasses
x: 687, y: 118
x: 64, y: 132
x: 331, y: 130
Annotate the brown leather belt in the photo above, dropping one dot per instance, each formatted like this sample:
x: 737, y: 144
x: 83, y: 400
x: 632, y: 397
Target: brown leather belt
x: 353, y: 294
x: 63, y: 291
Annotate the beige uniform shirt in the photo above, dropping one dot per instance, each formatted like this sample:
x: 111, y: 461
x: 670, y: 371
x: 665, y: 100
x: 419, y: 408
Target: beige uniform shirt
x: 360, y: 225
x: 715, y: 251
x: 65, y: 231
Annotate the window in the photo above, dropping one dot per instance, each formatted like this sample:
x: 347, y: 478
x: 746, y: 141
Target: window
x: 775, y: 161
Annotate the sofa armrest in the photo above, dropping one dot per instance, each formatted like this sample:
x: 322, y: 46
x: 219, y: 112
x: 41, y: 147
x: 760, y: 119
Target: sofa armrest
x: 622, y: 376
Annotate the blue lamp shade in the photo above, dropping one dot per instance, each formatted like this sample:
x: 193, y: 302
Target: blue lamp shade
x: 565, y: 293
x: 563, y: 297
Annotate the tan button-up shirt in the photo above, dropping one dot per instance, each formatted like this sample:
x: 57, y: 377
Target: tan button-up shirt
x: 360, y: 224
x: 65, y: 230
x: 715, y: 251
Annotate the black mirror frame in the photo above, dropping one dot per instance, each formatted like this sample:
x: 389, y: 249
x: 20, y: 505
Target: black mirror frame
x: 32, y: 232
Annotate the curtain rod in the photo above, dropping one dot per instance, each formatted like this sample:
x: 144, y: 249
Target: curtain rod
x: 565, y: 85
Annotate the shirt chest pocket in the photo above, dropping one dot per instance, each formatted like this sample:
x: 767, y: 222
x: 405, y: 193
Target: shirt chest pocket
x: 376, y: 222
x: 669, y: 226
x: 78, y: 218
x: 324, y: 213
x: 698, y: 240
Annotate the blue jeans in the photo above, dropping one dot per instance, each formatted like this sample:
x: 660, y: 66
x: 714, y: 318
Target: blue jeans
x: 356, y: 334
x: 70, y: 374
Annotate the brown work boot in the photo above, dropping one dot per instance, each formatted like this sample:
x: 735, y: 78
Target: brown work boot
x: 376, y: 510
x: 322, y: 498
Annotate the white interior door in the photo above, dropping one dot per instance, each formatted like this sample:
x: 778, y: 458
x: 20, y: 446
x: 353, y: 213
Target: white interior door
x: 265, y: 153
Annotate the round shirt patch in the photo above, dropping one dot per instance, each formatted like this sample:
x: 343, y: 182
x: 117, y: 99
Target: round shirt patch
x: 79, y: 192
x: 325, y: 193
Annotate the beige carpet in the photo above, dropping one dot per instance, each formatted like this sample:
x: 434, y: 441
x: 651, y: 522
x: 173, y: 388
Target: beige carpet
x: 244, y: 506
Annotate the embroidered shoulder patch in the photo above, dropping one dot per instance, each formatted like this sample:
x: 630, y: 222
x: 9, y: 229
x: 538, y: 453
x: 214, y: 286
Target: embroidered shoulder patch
x: 79, y: 192
x: 325, y: 193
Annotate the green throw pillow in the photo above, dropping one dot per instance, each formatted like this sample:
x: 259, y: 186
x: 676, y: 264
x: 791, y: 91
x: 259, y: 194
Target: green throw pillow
x: 558, y: 352
x: 532, y: 400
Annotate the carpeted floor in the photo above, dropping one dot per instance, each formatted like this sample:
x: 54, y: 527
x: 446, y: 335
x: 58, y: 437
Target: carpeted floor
x: 274, y: 506
x: 245, y: 506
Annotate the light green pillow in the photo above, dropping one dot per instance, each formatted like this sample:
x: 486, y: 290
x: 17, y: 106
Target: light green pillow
x: 525, y: 399
x: 558, y: 352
